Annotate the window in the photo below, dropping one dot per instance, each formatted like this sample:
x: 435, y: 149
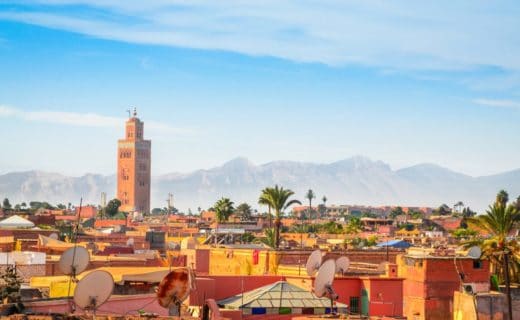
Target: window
x: 477, y: 264
x: 354, y: 305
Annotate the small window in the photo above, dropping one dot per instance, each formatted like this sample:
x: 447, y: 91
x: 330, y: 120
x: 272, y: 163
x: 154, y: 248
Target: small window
x: 477, y: 264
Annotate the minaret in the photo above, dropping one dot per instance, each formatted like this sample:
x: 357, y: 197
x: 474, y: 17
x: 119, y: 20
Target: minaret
x: 134, y: 167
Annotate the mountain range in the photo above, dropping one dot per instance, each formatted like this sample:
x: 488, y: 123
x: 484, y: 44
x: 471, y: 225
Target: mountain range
x: 357, y: 180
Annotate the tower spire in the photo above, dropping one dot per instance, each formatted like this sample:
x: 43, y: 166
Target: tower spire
x: 135, y: 112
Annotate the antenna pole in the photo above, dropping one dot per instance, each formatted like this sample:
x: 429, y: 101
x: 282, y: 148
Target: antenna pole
x: 73, y: 266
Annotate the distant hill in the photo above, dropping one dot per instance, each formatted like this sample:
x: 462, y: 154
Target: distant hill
x: 356, y: 180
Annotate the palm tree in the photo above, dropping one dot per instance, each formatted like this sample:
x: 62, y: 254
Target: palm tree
x: 354, y: 226
x: 278, y: 199
x: 310, y: 195
x: 458, y: 206
x: 503, y: 252
x: 502, y: 198
x: 223, y: 209
x: 323, y: 209
x: 269, y: 238
x: 243, y: 212
x: 263, y: 200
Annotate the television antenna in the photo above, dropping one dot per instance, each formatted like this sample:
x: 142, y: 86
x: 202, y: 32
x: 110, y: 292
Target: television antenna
x: 313, y: 262
x: 323, y: 283
x: 93, y: 290
x: 174, y: 288
x: 342, y: 264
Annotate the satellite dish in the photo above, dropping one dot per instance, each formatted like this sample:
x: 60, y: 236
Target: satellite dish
x: 174, y: 288
x: 474, y: 252
x: 130, y: 242
x: 74, y: 261
x: 313, y: 263
x: 324, y: 278
x: 54, y: 236
x: 342, y: 264
x: 93, y: 290
x: 323, y: 282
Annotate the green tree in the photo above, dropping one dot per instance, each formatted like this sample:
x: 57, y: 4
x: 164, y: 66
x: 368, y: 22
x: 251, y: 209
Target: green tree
x: 223, y: 209
x: 331, y: 227
x: 269, y: 238
x: 458, y: 207
x: 354, y: 226
x: 502, y: 198
x: 159, y: 211
x: 464, y: 233
x: 112, y: 207
x: 248, y: 237
x: 415, y: 214
x: 467, y: 212
x: 397, y: 211
x: 443, y: 210
x: 503, y: 251
x: 10, y: 285
x: 323, y: 207
x: 6, y: 204
x: 263, y: 201
x: 310, y: 195
x: 278, y: 199
x: 243, y: 212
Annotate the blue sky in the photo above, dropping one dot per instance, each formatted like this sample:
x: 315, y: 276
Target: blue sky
x: 399, y: 81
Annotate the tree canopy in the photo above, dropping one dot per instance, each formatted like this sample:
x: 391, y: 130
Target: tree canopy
x: 223, y: 209
x: 243, y: 212
x: 499, y: 221
x: 279, y: 200
x: 112, y: 207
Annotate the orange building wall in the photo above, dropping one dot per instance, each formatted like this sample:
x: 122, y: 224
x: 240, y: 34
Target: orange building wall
x: 430, y: 285
x: 134, y: 168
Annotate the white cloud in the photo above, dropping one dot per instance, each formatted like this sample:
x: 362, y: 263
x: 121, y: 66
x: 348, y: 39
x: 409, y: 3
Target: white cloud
x: 498, y: 103
x: 87, y: 120
x: 403, y: 34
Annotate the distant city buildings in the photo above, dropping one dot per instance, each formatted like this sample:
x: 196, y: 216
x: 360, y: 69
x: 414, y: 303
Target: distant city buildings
x: 134, y: 168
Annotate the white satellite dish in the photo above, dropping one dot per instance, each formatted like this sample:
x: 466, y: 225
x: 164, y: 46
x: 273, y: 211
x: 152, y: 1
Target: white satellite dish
x: 54, y: 236
x: 74, y: 261
x: 130, y: 242
x: 474, y: 252
x: 93, y: 290
x: 325, y: 278
x: 313, y: 263
x: 342, y: 264
x: 323, y: 282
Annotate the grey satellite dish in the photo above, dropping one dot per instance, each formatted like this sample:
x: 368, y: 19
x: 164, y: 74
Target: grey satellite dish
x: 313, y: 263
x: 342, y: 264
x: 325, y: 278
x: 54, y: 236
x: 74, y: 261
x: 130, y: 242
x: 93, y: 290
x: 474, y: 252
x: 323, y: 282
